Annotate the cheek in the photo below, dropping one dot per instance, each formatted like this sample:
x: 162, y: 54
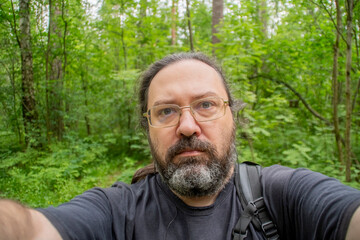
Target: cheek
x: 222, y: 134
x: 161, y: 140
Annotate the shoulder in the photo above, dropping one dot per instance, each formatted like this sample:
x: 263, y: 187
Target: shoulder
x: 106, y: 199
x: 92, y: 213
x: 276, y: 176
x: 128, y: 192
x: 279, y: 181
x: 280, y: 173
x: 315, y: 202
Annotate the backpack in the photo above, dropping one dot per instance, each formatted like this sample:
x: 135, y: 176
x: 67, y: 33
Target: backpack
x: 249, y: 191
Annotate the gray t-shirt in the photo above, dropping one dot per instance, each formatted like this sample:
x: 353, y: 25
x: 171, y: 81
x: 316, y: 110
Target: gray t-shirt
x: 303, y: 204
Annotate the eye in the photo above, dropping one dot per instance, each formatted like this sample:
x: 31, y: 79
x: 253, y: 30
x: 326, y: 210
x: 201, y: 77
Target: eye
x: 166, y: 111
x: 165, y: 114
x: 206, y: 104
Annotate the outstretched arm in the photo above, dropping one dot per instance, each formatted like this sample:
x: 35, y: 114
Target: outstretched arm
x: 353, y: 232
x: 19, y: 222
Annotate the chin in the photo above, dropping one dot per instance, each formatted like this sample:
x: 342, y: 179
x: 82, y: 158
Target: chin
x: 195, y: 179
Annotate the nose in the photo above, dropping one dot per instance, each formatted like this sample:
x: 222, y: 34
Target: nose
x: 188, y: 126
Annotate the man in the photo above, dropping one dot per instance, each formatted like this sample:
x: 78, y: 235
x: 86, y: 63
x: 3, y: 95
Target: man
x: 187, y: 114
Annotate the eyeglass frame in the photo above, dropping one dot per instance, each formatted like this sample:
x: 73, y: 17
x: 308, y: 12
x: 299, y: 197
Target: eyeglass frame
x: 225, y: 103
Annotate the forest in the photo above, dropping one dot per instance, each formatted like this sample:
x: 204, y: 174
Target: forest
x: 69, y: 73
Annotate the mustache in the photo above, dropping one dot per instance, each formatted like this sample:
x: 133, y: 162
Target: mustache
x: 190, y: 143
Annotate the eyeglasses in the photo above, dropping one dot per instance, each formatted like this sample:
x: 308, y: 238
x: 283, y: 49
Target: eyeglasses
x: 203, y: 110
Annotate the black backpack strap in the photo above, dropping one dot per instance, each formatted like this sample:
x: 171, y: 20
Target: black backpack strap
x: 249, y: 190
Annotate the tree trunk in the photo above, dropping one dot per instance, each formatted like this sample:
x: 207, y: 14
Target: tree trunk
x: 173, y: 22
x: 217, y: 16
x: 335, y: 86
x: 357, y: 89
x: 189, y: 25
x: 30, y: 115
x: 55, y: 77
x: 47, y: 85
x: 349, y: 9
x: 124, y: 47
x: 264, y: 18
x: 64, y: 54
x: 84, y: 82
x: 141, y: 60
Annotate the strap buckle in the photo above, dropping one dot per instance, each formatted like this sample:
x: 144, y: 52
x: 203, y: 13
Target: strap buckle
x: 258, y: 204
x: 237, y: 235
x: 270, y: 230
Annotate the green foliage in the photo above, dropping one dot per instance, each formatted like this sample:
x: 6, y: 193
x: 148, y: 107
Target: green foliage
x: 35, y: 173
x: 49, y: 178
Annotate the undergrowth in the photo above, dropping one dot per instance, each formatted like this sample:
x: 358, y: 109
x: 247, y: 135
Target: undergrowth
x: 42, y: 178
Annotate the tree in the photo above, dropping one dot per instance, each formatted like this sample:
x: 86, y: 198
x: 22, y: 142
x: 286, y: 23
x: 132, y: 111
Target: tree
x: 335, y: 83
x: 173, y: 21
x: 349, y: 30
x: 188, y: 15
x: 217, y: 16
x: 29, y: 111
x: 54, y: 69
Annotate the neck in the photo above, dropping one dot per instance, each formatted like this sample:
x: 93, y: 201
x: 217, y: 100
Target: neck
x: 205, y: 200
x: 198, y: 201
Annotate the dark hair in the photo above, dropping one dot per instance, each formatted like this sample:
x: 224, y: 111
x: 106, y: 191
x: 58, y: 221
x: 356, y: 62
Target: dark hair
x: 150, y: 73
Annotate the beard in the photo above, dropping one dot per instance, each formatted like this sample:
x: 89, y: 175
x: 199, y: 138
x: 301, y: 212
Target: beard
x: 196, y: 176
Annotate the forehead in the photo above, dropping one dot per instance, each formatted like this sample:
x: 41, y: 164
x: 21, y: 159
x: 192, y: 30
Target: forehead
x: 185, y: 81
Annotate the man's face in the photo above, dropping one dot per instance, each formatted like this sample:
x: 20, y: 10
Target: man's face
x: 194, y: 155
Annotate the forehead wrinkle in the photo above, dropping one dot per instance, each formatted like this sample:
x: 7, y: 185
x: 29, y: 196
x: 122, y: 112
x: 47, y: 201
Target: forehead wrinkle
x: 183, y: 73
x: 194, y: 98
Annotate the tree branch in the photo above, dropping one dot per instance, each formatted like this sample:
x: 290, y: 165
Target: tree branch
x: 15, y: 31
x: 355, y: 95
x: 355, y: 3
x: 301, y: 98
x: 312, y: 111
x: 331, y: 18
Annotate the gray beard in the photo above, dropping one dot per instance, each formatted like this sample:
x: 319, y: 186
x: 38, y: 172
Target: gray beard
x: 197, y: 176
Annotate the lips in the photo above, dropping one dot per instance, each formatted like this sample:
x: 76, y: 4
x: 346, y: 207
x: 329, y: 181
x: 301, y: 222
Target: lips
x: 188, y: 150
x: 188, y: 147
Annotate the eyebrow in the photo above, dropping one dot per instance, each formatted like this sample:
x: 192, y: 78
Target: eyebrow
x: 203, y: 95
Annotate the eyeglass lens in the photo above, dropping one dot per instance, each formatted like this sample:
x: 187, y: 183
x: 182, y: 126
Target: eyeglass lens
x: 205, y: 109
